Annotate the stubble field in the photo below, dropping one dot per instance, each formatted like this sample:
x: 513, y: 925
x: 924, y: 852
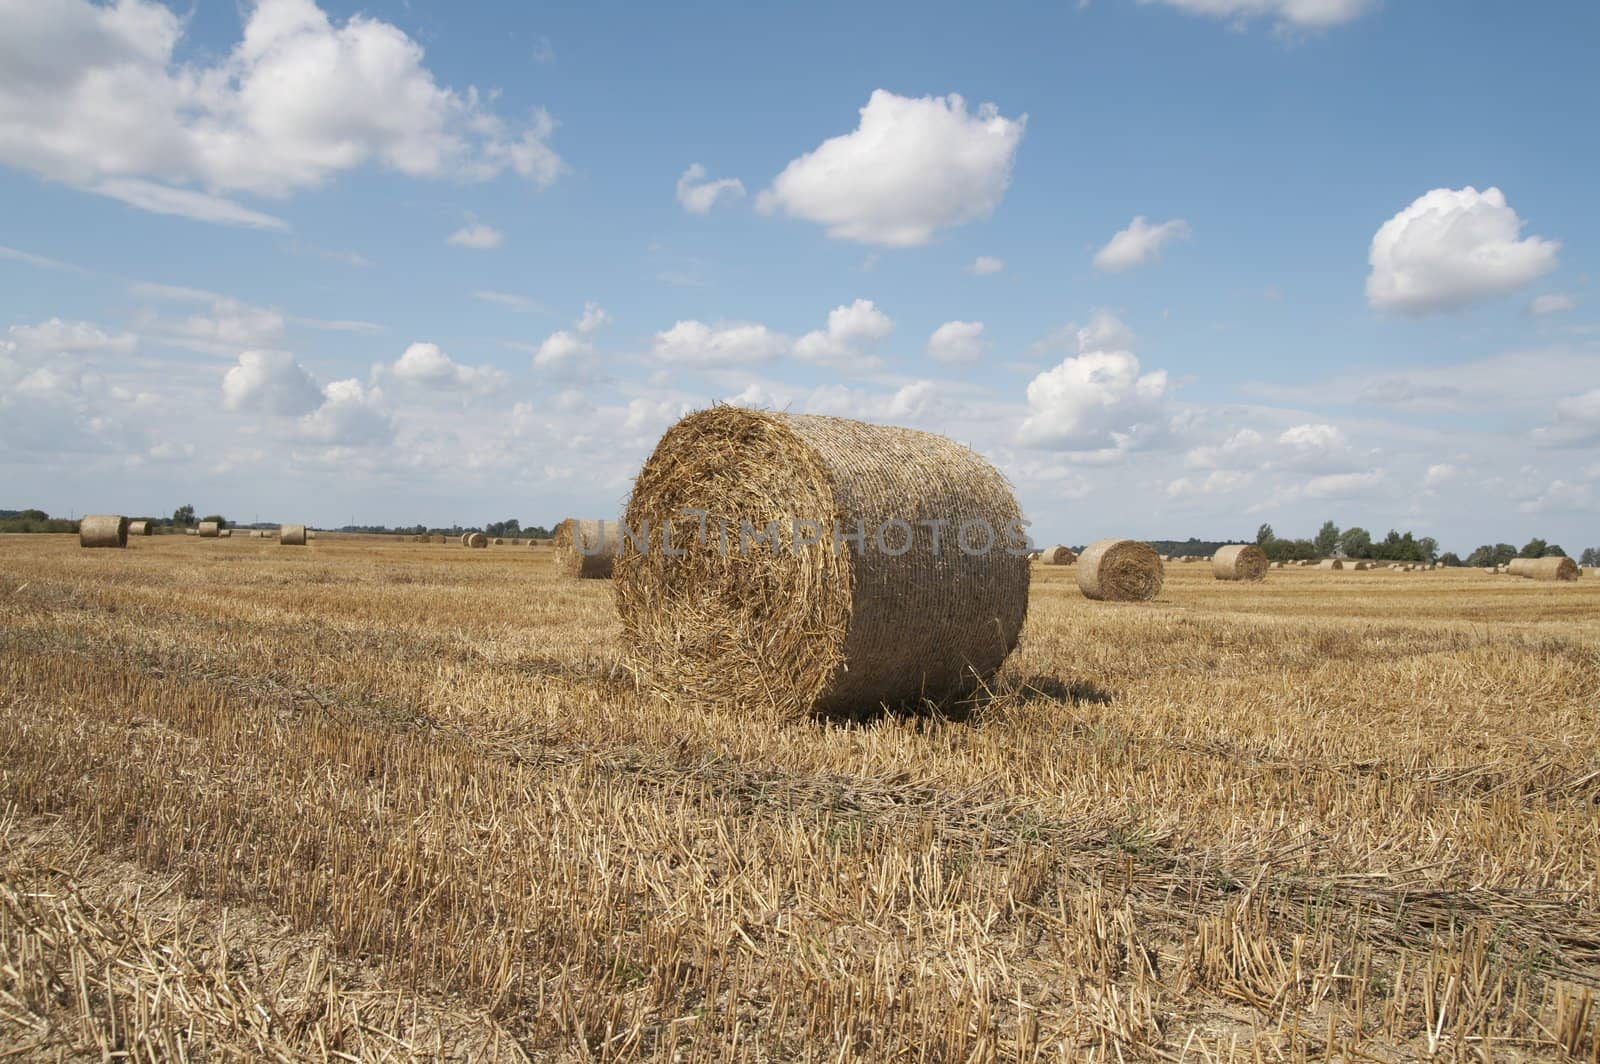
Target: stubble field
x: 383, y: 800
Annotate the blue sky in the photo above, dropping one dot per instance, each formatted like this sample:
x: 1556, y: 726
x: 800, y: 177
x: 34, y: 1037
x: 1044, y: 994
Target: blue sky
x: 1177, y: 266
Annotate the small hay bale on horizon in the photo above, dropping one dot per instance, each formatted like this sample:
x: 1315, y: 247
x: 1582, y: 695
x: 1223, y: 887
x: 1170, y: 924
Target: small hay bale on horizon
x: 208, y: 530
x: 140, y: 528
x: 1330, y: 563
x: 477, y: 539
x: 800, y: 623
x: 292, y: 536
x: 1239, y: 561
x: 1545, y: 568
x: 1060, y: 554
x: 103, y: 530
x: 1120, y: 570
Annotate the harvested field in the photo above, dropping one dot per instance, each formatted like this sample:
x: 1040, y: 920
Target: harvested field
x: 387, y: 800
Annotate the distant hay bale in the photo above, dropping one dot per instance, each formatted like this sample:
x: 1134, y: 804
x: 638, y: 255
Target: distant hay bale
x: 292, y: 535
x: 225, y: 533
x: 1277, y: 565
x: 1058, y: 555
x: 1330, y: 563
x: 191, y: 532
x: 499, y: 541
x: 477, y: 539
x: 1364, y: 566
x: 1241, y: 561
x: 1120, y: 570
x: 140, y: 528
x: 586, y: 548
x: 209, y: 530
x: 800, y: 621
x: 103, y: 530
x: 1545, y: 568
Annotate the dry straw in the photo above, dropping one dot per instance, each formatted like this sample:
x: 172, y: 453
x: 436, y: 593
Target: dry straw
x: 209, y: 530
x: 1545, y: 568
x: 832, y: 626
x: 599, y: 547
x: 1241, y: 561
x: 1330, y: 563
x: 477, y: 539
x: 292, y: 535
x: 1059, y: 555
x: 103, y: 530
x: 140, y: 528
x: 1120, y: 570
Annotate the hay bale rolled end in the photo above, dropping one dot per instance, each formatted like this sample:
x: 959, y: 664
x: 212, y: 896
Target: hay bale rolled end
x: 1120, y: 570
x: 1557, y: 569
x: 1240, y: 561
x: 587, y: 549
x: 103, y: 530
x: 292, y: 536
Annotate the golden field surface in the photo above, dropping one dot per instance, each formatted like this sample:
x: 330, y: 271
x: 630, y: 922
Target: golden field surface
x: 375, y: 800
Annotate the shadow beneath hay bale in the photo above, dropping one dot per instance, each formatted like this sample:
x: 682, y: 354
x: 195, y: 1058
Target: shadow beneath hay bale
x: 1002, y: 696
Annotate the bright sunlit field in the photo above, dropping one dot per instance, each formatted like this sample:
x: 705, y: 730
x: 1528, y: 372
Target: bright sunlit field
x: 383, y: 800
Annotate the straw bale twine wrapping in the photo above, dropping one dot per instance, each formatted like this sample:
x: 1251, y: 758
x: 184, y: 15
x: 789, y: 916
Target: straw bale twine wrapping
x: 1120, y: 570
x: 1241, y: 561
x: 1330, y: 563
x: 292, y: 535
x: 477, y: 539
x: 599, y: 541
x: 1545, y: 568
x: 208, y: 530
x: 834, y: 626
x: 103, y: 530
x: 140, y: 528
x: 1059, y: 555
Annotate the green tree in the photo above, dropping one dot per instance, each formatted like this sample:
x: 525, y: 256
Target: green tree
x: 1451, y: 559
x: 1590, y: 556
x: 1535, y: 548
x: 1327, y: 540
x: 1356, y: 542
x: 183, y: 515
x: 1429, y: 548
x: 222, y: 522
x: 1264, y: 535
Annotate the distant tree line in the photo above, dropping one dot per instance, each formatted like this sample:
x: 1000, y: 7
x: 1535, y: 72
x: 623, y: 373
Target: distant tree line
x: 1330, y: 541
x: 510, y: 528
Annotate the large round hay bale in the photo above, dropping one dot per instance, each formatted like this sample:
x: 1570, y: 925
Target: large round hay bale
x: 292, y: 535
x: 140, y: 528
x: 1330, y: 563
x: 1120, y: 570
x: 103, y: 530
x: 477, y: 539
x: 586, y: 548
x: 465, y: 536
x: 1545, y: 568
x: 1058, y: 555
x: 840, y: 565
x: 208, y: 530
x: 1240, y: 561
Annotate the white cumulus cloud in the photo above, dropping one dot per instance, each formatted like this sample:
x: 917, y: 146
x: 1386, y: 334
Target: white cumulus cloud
x: 476, y: 236
x: 851, y: 330
x: 1284, y: 14
x: 984, y: 265
x: 912, y: 167
x: 1138, y: 244
x: 696, y: 344
x: 957, y: 341
x: 424, y: 365
x: 1551, y: 303
x: 1098, y: 400
x: 1452, y: 247
x: 270, y: 382
x: 698, y: 195
x: 95, y: 95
